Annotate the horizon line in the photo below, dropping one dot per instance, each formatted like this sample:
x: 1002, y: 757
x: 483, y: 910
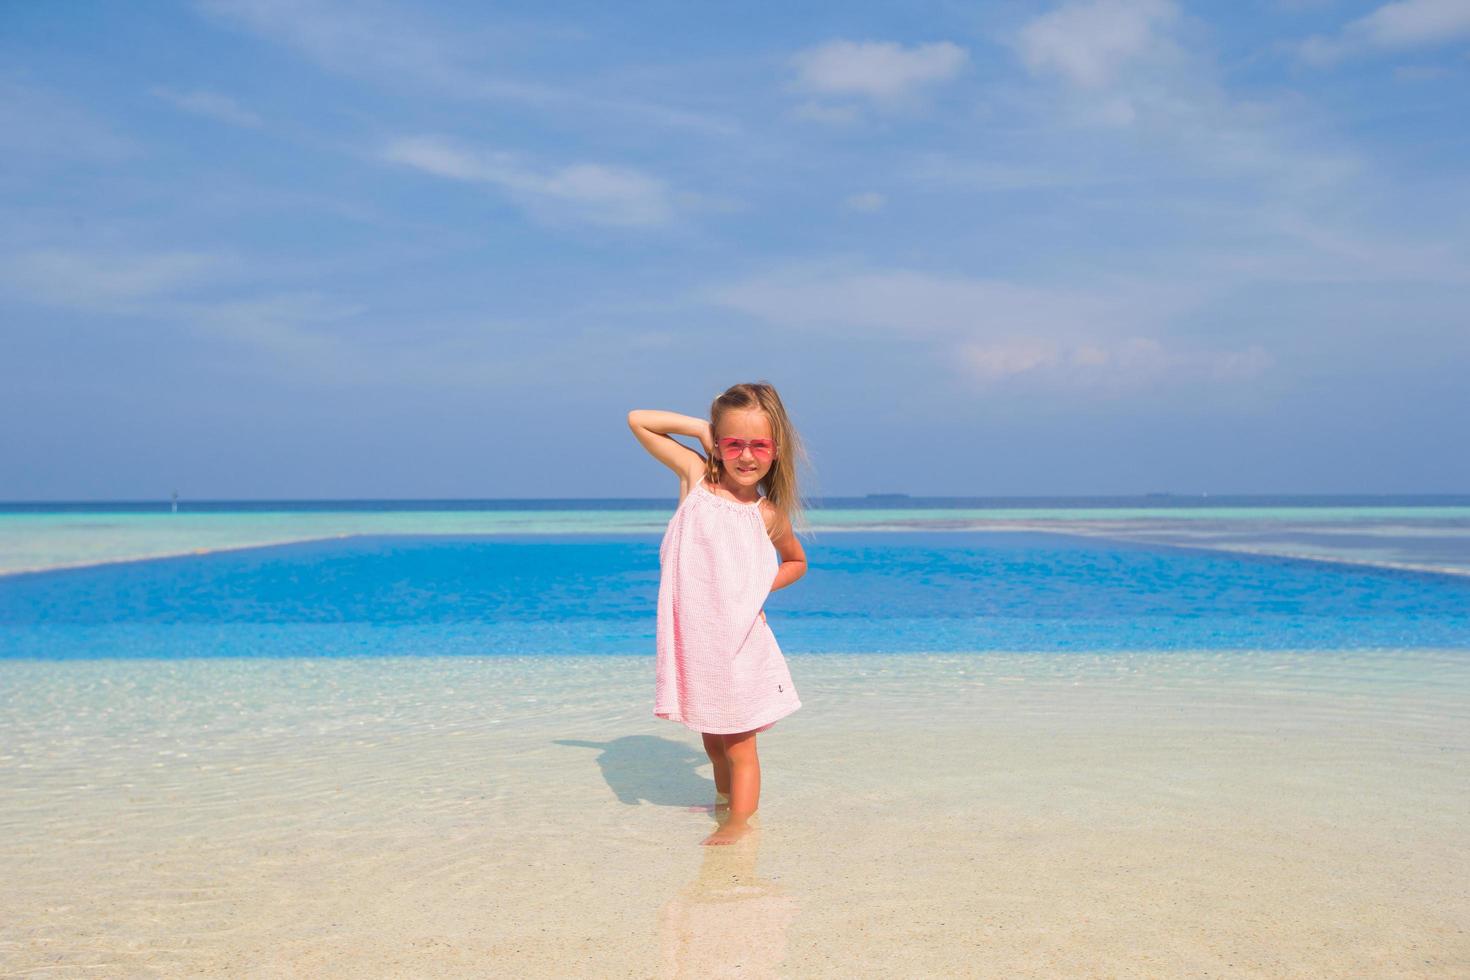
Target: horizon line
x: 896, y: 495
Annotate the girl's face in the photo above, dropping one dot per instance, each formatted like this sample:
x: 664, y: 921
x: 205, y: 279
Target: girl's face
x: 748, y: 424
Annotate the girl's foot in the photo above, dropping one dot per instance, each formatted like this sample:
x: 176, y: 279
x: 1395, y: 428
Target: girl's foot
x: 731, y: 830
x: 729, y: 833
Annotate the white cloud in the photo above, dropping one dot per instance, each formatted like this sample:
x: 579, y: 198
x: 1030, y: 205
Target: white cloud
x: 300, y: 330
x: 401, y: 46
x: 868, y: 201
x: 828, y: 115
x: 369, y: 40
x: 165, y: 287
x: 1010, y: 358
x: 905, y: 303
x: 587, y: 192
x: 1088, y: 43
x: 1393, y: 26
x: 943, y: 170
x: 288, y: 325
x: 994, y: 330
x: 1117, y: 60
x: 1126, y: 363
x: 210, y: 104
x: 1122, y: 66
x: 881, y: 71
x: 1422, y: 73
x: 106, y: 282
x: 38, y: 123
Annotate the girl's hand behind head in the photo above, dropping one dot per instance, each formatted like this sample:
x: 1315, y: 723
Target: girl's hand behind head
x: 707, y: 439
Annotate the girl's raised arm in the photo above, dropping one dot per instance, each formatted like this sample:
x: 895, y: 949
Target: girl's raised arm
x: 652, y: 427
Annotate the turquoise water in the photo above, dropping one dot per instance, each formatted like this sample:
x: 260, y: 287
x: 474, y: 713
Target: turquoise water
x: 1429, y: 533
x: 866, y: 592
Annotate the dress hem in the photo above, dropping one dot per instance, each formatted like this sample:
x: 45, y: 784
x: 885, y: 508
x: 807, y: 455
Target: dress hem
x: 759, y: 726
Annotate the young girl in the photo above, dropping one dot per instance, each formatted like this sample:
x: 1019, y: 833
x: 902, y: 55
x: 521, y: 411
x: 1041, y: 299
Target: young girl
x: 719, y: 670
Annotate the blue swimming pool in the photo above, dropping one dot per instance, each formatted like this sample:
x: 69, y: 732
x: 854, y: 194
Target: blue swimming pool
x: 865, y: 593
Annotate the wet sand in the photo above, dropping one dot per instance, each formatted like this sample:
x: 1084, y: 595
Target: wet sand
x: 1012, y: 815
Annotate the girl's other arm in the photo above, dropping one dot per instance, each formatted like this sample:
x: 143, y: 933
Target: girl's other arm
x: 793, y: 555
x: 653, y: 428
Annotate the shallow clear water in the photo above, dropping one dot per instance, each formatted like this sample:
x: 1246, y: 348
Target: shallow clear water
x: 589, y: 594
x: 1144, y: 814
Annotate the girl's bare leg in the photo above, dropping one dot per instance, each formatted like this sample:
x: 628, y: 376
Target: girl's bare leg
x: 745, y: 788
x: 714, y: 747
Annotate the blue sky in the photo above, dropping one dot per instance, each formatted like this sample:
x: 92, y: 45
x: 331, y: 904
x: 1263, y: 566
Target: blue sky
x: 276, y: 248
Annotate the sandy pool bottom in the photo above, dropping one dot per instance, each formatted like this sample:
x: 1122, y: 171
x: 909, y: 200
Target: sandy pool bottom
x: 1007, y: 815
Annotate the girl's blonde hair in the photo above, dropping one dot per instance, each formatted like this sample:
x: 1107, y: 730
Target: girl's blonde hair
x: 780, y: 482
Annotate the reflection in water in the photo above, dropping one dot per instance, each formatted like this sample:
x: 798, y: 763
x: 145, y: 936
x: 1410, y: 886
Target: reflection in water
x: 728, y: 921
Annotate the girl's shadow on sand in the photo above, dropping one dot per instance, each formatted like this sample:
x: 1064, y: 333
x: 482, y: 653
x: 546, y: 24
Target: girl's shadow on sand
x: 647, y: 767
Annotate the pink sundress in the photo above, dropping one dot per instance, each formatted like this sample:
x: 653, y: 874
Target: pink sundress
x: 719, y: 669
